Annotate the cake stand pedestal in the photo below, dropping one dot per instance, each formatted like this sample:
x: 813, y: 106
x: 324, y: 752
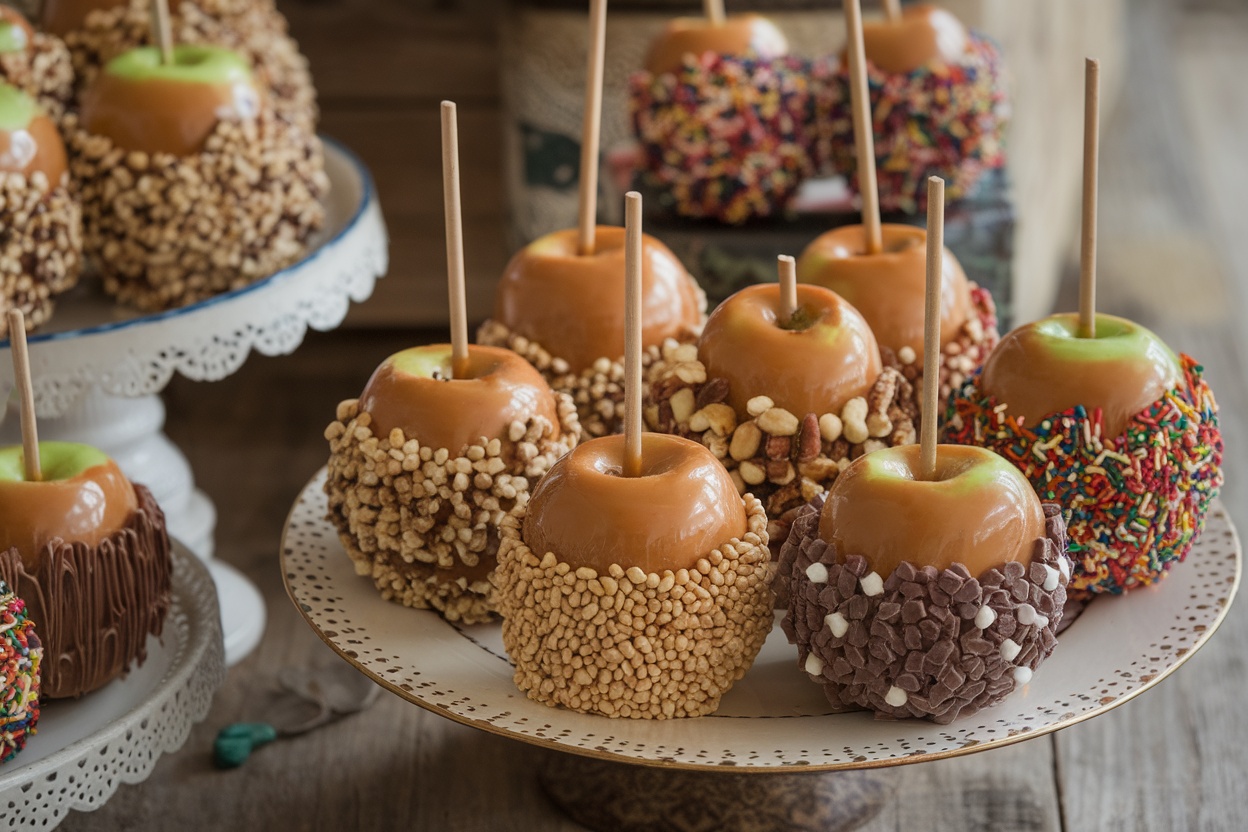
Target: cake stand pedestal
x: 774, y: 756
x: 98, y: 368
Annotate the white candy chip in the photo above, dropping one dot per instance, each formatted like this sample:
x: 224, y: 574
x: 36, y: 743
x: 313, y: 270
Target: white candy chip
x: 1022, y: 675
x: 1026, y: 615
x: 1050, y: 578
x: 837, y: 623
x: 1042, y: 621
x: 896, y: 697
x: 872, y: 584
x: 814, y: 665
x: 985, y: 617
x: 1063, y: 564
x: 818, y: 573
x: 1010, y: 650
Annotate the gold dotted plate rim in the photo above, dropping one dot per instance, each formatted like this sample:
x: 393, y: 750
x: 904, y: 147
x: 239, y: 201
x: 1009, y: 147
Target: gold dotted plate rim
x: 775, y: 719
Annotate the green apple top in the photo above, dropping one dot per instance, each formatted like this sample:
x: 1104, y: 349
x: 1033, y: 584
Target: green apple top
x: 814, y: 363
x: 29, y: 141
x: 682, y: 507
x: 924, y: 34
x: 16, y: 33
x: 740, y: 35
x: 1044, y: 368
x: 979, y: 511
x: 573, y: 304
x: 414, y: 391
x: 888, y: 288
x: 83, y: 497
x: 143, y: 104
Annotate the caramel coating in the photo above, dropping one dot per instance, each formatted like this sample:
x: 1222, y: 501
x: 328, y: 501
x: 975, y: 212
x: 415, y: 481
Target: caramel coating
x: 454, y: 413
x: 814, y: 363
x: 682, y: 506
x: 888, y: 288
x: 83, y: 509
x: 979, y: 511
x: 924, y: 34
x: 62, y: 16
x: 739, y: 35
x: 573, y: 305
x: 38, y: 147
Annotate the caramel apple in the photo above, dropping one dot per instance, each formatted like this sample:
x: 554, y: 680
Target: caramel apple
x: 29, y: 141
x: 89, y: 553
x: 60, y: 17
x: 928, y: 597
x: 924, y: 34
x: 743, y: 35
x: 646, y: 560
x: 16, y: 33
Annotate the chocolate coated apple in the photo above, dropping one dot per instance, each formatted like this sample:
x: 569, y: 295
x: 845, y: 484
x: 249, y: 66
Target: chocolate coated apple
x: 145, y: 105
x: 888, y: 288
x: 61, y: 16
x: 29, y: 141
x: 925, y: 33
x: 1044, y: 368
x: 681, y: 507
x: 573, y: 304
x: 739, y: 36
x: 821, y: 358
x: 414, y: 390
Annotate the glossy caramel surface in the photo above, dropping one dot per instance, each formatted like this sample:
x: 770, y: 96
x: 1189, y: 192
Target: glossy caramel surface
x: 455, y: 413
x: 888, y: 288
x: 573, y: 305
x: 739, y: 35
x: 61, y: 16
x: 1042, y: 368
x: 979, y: 511
x: 85, y: 508
x: 38, y: 147
x: 813, y: 363
x: 925, y: 33
x: 682, y: 507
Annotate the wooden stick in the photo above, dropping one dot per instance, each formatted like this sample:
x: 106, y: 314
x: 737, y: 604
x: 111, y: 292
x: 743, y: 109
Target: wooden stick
x: 21, y: 374
x: 632, y: 334
x: 864, y: 140
x: 788, y: 288
x: 931, y: 326
x: 1091, y: 149
x: 714, y: 10
x: 591, y: 126
x: 162, y: 30
x: 892, y: 10
x: 454, y: 241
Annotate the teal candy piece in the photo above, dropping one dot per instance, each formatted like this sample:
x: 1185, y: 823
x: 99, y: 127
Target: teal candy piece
x: 235, y: 742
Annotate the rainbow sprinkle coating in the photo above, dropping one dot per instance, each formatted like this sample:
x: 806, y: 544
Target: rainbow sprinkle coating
x: 940, y: 119
x: 20, y: 656
x: 726, y: 138
x: 1137, y: 503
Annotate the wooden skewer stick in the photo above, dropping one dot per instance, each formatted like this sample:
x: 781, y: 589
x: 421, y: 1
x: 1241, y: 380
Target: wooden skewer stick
x: 714, y: 10
x: 632, y: 334
x: 864, y: 140
x: 21, y: 373
x: 591, y: 127
x: 931, y: 326
x: 162, y: 30
x: 892, y: 10
x: 454, y: 241
x: 788, y: 288
x: 1091, y: 149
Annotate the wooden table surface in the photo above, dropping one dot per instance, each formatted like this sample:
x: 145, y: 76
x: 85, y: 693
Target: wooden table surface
x: 1174, y: 255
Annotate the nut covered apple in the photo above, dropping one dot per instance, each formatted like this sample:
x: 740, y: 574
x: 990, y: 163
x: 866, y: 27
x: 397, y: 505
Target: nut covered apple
x: 37, y: 63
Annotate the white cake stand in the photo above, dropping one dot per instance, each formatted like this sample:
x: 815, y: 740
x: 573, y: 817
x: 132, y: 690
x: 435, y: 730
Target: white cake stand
x: 98, y: 367
x: 84, y: 749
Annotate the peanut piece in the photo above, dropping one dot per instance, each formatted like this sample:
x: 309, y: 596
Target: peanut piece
x: 779, y: 422
x: 745, y: 441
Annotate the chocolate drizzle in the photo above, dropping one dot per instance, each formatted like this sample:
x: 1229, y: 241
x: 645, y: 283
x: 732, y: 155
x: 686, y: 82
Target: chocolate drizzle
x: 96, y: 606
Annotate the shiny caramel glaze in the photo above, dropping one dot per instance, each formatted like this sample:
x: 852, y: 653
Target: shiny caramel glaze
x: 155, y: 115
x: 980, y: 511
x: 814, y: 363
x: 36, y: 148
x: 83, y: 509
x: 739, y: 35
x: 924, y: 34
x: 1042, y: 368
x: 588, y: 514
x: 573, y: 305
x: 455, y: 413
x: 888, y: 288
x: 61, y: 16
x: 8, y: 14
